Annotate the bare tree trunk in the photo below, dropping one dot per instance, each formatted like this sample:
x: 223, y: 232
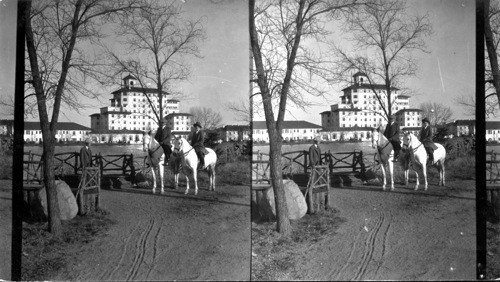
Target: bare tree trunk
x: 50, y: 184
x: 490, y: 46
x: 283, y: 222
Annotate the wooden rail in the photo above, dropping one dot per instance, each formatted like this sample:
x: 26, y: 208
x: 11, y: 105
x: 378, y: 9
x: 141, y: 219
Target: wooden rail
x: 338, y: 162
x: 69, y: 163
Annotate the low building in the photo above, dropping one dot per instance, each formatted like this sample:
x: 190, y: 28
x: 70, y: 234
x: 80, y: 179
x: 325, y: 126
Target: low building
x: 66, y: 132
x: 124, y: 136
x: 463, y: 127
x: 235, y: 132
x: 292, y: 130
x: 354, y: 133
x: 492, y: 131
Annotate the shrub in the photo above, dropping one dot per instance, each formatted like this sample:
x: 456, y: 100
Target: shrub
x: 460, y: 146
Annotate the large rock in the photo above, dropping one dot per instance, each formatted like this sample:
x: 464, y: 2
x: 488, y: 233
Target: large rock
x: 295, y: 201
x: 68, y: 208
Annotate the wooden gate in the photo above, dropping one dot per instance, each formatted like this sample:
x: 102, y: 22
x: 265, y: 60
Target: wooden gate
x: 492, y: 182
x: 318, y: 186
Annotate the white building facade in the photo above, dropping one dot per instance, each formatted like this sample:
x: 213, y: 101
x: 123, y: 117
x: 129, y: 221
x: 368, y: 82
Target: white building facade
x: 492, y: 131
x: 409, y: 120
x: 66, y: 132
x: 130, y: 110
x: 292, y: 131
x: 180, y: 124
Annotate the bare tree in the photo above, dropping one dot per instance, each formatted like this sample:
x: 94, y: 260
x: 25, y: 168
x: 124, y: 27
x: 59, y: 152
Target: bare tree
x: 492, y: 39
x: 241, y: 109
x: 158, y: 40
x: 437, y: 113
x: 285, y: 70
x: 56, y: 33
x: 468, y: 102
x: 208, y: 118
x: 384, y: 38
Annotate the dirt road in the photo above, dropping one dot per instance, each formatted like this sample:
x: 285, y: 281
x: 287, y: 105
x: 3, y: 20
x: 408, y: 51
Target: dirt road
x: 6, y: 228
x: 170, y: 237
x: 400, y: 235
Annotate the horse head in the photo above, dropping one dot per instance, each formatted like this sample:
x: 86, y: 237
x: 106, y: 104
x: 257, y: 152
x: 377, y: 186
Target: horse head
x: 375, y: 137
x: 407, y: 140
x: 146, y: 138
x: 178, y: 144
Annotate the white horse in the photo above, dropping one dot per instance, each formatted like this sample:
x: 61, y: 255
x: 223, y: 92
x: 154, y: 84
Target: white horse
x: 384, y: 155
x: 155, y: 158
x: 418, y: 157
x: 189, y: 163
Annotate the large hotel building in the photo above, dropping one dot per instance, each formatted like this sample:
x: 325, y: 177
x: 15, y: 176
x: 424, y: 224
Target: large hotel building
x: 359, y: 111
x: 130, y: 115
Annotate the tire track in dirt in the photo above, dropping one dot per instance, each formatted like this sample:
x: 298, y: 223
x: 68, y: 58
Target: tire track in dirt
x: 106, y: 274
x: 369, y: 248
x: 140, y: 250
x: 367, y: 251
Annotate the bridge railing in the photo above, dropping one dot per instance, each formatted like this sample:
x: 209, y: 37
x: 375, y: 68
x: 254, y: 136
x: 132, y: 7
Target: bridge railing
x: 69, y: 163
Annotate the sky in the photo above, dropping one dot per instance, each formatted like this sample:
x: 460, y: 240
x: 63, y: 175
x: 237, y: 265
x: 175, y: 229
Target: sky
x: 445, y: 73
x: 219, y: 77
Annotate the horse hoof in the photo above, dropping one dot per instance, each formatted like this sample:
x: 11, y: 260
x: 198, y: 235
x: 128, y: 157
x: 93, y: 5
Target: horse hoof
x: 196, y: 193
x: 185, y: 193
x: 392, y: 188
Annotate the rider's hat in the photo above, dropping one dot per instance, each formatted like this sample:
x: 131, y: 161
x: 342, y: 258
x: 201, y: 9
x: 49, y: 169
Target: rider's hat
x: 392, y: 117
x: 163, y: 121
x: 426, y: 120
x: 197, y: 124
x: 88, y: 140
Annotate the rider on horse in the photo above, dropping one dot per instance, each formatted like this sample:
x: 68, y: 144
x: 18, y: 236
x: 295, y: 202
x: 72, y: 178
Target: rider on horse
x: 197, y: 140
x: 426, y: 139
x: 391, y: 132
x: 163, y: 137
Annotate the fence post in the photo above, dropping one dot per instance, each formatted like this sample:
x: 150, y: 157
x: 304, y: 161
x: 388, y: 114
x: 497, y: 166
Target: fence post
x: 362, y: 165
x: 101, y: 166
x: 132, y: 168
x: 310, y: 191
x: 124, y: 164
x: 305, y: 162
x: 76, y: 162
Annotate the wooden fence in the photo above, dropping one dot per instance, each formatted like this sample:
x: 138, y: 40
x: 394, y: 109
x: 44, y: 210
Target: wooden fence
x: 493, y: 181
x: 338, y: 163
x: 69, y: 163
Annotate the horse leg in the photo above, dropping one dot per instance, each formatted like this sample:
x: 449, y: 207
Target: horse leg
x: 417, y: 182
x: 195, y: 182
x: 391, y: 172
x: 154, y: 178
x: 187, y: 183
x: 212, y: 178
x: 407, y: 174
x: 384, y: 182
x: 161, y: 169
x: 424, y: 172
x: 442, y: 171
x: 176, y: 180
